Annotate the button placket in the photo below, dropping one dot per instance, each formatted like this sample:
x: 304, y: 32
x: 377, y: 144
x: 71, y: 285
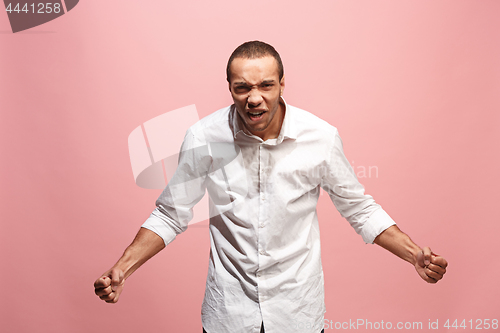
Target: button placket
x: 262, y: 208
x: 263, y: 160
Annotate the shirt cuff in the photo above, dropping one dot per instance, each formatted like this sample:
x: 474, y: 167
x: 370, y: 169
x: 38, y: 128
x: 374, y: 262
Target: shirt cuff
x: 377, y: 222
x: 159, y: 227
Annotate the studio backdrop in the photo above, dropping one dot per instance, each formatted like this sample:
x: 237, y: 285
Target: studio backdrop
x: 86, y: 87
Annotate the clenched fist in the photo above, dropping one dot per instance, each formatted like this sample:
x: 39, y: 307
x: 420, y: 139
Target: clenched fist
x: 430, y: 266
x: 110, y: 285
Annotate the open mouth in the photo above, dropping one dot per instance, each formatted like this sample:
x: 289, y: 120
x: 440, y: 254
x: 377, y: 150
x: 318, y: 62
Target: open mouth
x: 257, y: 115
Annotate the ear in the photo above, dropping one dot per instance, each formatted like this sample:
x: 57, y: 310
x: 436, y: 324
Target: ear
x: 282, y: 85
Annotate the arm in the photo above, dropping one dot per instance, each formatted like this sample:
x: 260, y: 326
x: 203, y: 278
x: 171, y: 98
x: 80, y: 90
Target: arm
x: 429, y: 266
x: 372, y: 222
x: 145, y: 245
x: 174, y: 211
x: 366, y: 217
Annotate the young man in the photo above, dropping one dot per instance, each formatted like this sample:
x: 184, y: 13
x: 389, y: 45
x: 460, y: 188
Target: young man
x: 263, y: 162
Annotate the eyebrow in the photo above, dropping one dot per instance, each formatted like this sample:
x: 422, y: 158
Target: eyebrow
x: 243, y: 83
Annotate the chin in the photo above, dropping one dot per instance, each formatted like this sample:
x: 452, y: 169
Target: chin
x: 259, y: 128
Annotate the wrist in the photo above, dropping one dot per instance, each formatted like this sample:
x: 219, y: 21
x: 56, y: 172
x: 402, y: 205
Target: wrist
x: 126, y: 263
x: 414, y: 251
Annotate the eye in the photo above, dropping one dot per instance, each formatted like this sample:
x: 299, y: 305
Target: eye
x: 241, y: 89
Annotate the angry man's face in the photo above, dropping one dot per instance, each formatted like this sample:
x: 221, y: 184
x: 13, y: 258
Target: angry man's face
x: 256, y: 90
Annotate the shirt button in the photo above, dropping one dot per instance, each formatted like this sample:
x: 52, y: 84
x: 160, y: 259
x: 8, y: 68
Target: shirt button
x: 259, y: 274
x: 261, y: 225
x: 262, y: 252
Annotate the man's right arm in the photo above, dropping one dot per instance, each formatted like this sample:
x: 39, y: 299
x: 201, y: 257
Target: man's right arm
x: 145, y: 245
x: 170, y: 218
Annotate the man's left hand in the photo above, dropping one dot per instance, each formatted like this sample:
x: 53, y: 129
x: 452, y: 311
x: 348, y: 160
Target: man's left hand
x: 430, y: 266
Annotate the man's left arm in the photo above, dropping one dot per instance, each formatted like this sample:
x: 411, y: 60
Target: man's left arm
x: 429, y: 266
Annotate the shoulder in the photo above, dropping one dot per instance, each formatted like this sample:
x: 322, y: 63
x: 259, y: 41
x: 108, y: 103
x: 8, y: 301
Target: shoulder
x: 212, y: 128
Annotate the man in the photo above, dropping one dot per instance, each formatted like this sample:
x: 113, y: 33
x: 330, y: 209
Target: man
x: 265, y: 267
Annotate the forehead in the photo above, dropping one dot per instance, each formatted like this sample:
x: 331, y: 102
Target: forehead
x: 254, y: 70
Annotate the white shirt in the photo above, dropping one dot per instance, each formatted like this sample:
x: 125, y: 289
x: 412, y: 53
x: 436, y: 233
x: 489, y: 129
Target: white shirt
x: 265, y: 260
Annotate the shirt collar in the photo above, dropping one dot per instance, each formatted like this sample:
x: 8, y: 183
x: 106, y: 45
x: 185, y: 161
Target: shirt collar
x: 287, y: 130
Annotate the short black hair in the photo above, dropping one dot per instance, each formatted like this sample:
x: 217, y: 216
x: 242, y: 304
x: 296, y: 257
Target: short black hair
x: 252, y: 50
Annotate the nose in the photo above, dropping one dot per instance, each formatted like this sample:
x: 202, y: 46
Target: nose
x: 254, y: 98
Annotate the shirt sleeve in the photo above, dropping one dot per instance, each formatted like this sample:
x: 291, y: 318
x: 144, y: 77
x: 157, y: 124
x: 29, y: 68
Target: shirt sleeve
x: 340, y: 182
x: 174, y: 207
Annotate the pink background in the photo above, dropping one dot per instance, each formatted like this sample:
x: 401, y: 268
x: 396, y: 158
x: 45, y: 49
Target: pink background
x: 413, y: 86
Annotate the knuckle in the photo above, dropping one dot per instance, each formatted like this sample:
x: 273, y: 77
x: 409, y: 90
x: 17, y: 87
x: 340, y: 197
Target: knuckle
x: 106, y: 297
x: 103, y: 291
x: 431, y: 274
x: 431, y: 280
x: 99, y: 283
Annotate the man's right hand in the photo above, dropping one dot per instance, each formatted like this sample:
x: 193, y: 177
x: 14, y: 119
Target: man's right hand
x: 110, y: 285
x: 145, y: 245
